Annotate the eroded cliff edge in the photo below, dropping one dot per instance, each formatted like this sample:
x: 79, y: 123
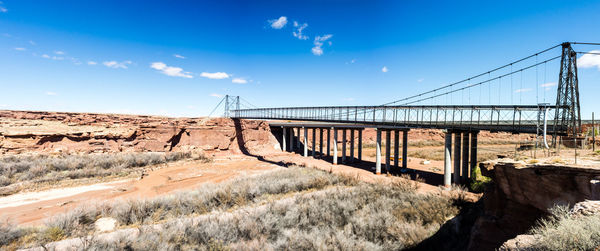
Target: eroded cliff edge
x: 521, y: 194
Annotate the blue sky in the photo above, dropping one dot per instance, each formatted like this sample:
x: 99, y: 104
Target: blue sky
x: 177, y: 58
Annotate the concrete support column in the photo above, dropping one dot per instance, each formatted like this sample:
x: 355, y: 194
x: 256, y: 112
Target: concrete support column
x: 396, y: 148
x: 305, y: 141
x: 291, y: 143
x: 314, y: 142
x: 448, y: 159
x: 473, y: 152
x: 457, y: 149
x: 464, y: 177
x: 335, y: 154
x: 360, y: 145
x: 328, y: 142
x: 378, y: 152
x: 320, y: 142
x: 404, y: 150
x: 387, y: 150
x: 351, y: 145
x: 283, y: 139
x: 343, y: 146
x: 298, y: 138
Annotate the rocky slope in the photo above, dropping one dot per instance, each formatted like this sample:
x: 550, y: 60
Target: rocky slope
x: 22, y: 132
x: 521, y: 194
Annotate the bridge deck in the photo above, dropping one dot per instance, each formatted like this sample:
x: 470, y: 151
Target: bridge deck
x: 496, y: 118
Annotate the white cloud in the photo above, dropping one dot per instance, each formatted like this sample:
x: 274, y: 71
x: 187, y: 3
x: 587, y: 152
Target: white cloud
x: 523, y: 90
x: 384, y: 69
x: 92, y: 63
x: 548, y: 86
x: 3, y: 10
x: 420, y: 80
x: 170, y: 70
x: 51, y: 93
x: 216, y: 95
x: 278, y: 23
x: 57, y: 58
x: 590, y: 60
x: 348, y: 99
x: 215, y: 75
x: 116, y: 65
x: 299, y: 34
x: 45, y: 56
x: 239, y: 81
x: 20, y: 49
x: 32, y: 42
x: 178, y: 56
x: 59, y: 52
x: 317, y: 49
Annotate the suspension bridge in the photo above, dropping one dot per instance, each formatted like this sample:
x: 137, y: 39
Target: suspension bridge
x: 460, y: 108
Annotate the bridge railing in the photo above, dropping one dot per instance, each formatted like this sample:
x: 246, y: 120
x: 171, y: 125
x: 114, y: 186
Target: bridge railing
x: 509, y: 118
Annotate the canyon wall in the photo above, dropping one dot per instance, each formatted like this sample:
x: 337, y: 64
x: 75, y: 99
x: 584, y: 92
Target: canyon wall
x: 22, y: 132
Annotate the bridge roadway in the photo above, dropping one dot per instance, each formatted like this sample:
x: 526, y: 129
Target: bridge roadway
x: 461, y: 124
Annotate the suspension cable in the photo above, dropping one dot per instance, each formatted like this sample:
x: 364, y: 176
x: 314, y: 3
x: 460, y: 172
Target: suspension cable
x: 476, y: 76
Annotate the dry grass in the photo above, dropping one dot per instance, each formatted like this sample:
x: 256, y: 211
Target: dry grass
x: 295, y: 208
x: 565, y: 231
x: 19, y: 172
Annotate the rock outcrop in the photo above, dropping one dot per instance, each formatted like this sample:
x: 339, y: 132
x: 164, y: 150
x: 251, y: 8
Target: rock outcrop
x: 521, y: 194
x: 22, y: 132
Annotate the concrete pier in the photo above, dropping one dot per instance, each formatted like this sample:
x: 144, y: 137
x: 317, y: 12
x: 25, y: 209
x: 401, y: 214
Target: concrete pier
x: 404, y: 150
x: 351, y: 145
x: 328, y: 142
x: 378, y: 153
x: 298, y: 138
x: 314, y: 142
x: 387, y: 150
x: 448, y: 159
x: 473, y: 152
x: 335, y: 153
x: 305, y: 141
x: 291, y: 143
x: 343, y: 146
x: 360, y: 145
x: 457, y: 156
x: 464, y: 177
x: 283, y: 139
x: 321, y: 143
x: 396, y: 148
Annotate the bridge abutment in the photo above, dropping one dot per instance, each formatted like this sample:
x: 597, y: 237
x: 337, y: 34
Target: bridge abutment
x: 378, y: 152
x: 351, y: 145
x: 343, y: 146
x: 387, y: 150
x: 335, y: 149
x: 448, y: 159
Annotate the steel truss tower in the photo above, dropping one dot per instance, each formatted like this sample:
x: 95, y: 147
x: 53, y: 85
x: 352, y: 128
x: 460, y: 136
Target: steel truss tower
x: 567, y: 114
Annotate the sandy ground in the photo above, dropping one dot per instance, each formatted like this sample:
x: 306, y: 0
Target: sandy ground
x: 33, y: 208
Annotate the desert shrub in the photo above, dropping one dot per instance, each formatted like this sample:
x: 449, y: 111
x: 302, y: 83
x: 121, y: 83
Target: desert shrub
x: 565, y: 231
x: 206, y: 198
x: 362, y: 217
x: 47, y: 168
x: 9, y: 233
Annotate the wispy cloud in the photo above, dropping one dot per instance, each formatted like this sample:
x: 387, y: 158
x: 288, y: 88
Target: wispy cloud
x: 170, y: 70
x: 239, y: 81
x: 590, y: 60
x: 216, y: 95
x: 278, y: 23
x: 348, y: 99
x: 215, y: 75
x: 178, y: 56
x: 59, y: 52
x: 548, y: 86
x: 52, y: 57
x: 298, y: 32
x: 420, y: 80
x: 116, y: 65
x: 32, y: 42
x: 92, y: 63
x: 384, y: 69
x: 317, y: 49
x: 20, y: 49
x: 3, y: 10
x: 45, y: 56
x: 523, y: 90
x: 51, y: 93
